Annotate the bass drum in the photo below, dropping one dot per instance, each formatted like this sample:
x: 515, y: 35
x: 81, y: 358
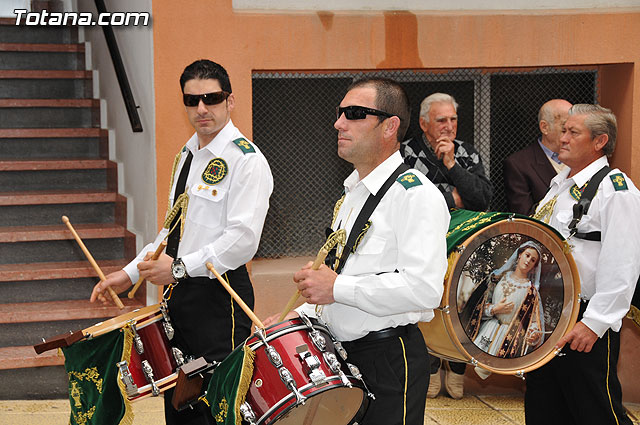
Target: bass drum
x: 511, y: 292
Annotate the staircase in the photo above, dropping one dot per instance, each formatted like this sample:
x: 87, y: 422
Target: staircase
x: 53, y: 162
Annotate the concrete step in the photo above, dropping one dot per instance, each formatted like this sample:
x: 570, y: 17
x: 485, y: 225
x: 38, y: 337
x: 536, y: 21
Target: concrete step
x: 34, y: 383
x: 63, y: 310
x: 31, y: 333
x: 57, y: 174
x: 49, y: 113
x: 12, y: 33
x: 25, y: 84
x: 38, y: 244
x: 34, y: 56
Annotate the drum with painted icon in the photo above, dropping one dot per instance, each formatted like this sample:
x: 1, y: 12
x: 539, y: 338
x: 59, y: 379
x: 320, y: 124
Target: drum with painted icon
x: 511, y: 292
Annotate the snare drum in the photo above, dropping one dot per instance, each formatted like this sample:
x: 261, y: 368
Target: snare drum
x: 496, y: 260
x: 153, y: 364
x: 298, y: 378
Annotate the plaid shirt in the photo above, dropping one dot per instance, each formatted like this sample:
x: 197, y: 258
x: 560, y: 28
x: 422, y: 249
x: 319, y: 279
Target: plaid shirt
x: 467, y: 175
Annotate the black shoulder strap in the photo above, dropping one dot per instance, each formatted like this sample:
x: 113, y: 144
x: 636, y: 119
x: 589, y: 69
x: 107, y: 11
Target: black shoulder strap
x: 366, y: 211
x: 174, y: 238
x: 582, y: 206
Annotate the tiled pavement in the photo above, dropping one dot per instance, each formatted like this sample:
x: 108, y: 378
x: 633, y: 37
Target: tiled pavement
x: 471, y: 410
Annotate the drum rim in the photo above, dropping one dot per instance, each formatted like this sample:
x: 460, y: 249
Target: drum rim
x: 109, y: 325
x: 291, y: 327
x: 568, y: 317
x: 284, y: 400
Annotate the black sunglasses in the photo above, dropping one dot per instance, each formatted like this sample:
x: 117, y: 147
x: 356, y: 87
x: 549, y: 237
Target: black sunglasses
x: 207, y: 98
x: 359, y: 112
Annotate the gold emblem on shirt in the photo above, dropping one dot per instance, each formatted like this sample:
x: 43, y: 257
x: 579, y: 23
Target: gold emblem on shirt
x: 215, y: 171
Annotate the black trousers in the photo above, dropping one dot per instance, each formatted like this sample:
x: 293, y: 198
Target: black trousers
x: 209, y: 324
x: 578, y: 388
x: 396, y: 371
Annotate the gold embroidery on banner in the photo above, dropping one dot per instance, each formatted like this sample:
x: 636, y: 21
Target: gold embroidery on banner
x: 223, y: 407
x: 472, y: 223
x: 89, y: 374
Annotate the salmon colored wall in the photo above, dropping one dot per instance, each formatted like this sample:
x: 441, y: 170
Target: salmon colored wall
x: 245, y: 42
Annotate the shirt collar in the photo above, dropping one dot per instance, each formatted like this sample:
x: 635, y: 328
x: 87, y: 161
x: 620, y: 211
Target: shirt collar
x: 551, y: 154
x: 587, y: 172
x: 217, y: 145
x: 376, y: 178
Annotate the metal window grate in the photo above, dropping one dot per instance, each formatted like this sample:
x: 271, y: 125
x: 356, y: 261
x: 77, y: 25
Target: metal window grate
x: 293, y: 116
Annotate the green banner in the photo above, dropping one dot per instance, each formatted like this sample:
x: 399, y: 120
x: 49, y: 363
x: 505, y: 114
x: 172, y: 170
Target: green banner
x: 94, y: 392
x: 229, y: 385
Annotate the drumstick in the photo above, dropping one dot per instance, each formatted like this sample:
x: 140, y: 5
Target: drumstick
x: 153, y: 257
x: 236, y: 297
x: 114, y: 296
x: 336, y: 237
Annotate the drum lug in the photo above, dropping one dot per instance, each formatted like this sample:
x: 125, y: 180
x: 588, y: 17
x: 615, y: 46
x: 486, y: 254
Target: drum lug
x: 178, y: 356
x: 520, y: 374
x: 340, y: 349
x: 312, y: 365
x: 445, y: 309
x: 334, y: 365
x: 166, y: 324
x: 148, y: 373
x: 356, y: 374
x: 288, y: 380
x: 247, y: 413
x: 273, y: 356
x: 137, y: 341
x: 318, y: 340
x: 125, y: 377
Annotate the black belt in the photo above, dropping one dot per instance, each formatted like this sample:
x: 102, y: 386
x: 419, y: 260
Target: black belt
x: 384, y: 333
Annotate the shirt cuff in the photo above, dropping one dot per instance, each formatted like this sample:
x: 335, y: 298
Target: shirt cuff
x: 196, y: 267
x: 598, y: 327
x: 344, y: 290
x: 132, y: 271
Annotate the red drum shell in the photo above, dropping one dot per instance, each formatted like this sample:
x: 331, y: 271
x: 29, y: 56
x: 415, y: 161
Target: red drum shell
x: 272, y: 401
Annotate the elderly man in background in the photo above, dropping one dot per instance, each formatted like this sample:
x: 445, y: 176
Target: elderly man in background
x: 528, y: 172
x: 455, y: 167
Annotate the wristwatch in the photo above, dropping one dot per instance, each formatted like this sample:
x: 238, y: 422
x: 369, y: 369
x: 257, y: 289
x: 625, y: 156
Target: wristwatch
x: 178, y: 270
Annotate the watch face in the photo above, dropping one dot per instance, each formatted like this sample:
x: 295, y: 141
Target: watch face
x: 178, y: 270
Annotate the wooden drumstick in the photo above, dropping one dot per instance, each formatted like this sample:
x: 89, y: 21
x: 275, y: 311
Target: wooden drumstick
x: 155, y: 256
x: 236, y: 297
x: 114, y: 296
x: 339, y: 236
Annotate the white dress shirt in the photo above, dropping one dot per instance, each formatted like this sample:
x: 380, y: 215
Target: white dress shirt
x: 224, y: 220
x: 610, y: 268
x: 396, y: 275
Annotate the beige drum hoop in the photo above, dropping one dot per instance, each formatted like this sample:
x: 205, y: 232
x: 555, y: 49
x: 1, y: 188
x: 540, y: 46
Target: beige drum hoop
x: 445, y: 335
x: 120, y: 321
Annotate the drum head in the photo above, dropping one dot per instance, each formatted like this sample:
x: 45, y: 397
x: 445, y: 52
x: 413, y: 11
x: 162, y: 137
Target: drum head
x: 512, y: 293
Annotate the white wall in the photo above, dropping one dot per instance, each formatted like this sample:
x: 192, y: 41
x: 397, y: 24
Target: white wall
x: 134, y: 152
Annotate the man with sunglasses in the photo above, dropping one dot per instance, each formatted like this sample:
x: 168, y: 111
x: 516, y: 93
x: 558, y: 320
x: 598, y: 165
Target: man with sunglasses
x: 390, y: 271
x: 219, y: 197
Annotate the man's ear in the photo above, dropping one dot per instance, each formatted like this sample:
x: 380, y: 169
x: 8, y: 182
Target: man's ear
x: 423, y: 124
x: 544, y: 127
x: 601, y: 142
x: 392, y: 126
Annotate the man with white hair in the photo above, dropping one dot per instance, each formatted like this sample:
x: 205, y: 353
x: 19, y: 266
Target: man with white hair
x: 581, y: 386
x: 455, y: 167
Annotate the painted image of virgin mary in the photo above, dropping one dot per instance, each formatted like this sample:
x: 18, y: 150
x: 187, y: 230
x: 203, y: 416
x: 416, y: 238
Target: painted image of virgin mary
x: 504, y: 316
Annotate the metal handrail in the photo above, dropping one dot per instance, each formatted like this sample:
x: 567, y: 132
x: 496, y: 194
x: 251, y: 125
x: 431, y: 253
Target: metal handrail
x: 121, y: 73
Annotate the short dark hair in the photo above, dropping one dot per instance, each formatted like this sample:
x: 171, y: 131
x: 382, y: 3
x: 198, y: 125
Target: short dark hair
x: 205, y: 69
x: 390, y: 98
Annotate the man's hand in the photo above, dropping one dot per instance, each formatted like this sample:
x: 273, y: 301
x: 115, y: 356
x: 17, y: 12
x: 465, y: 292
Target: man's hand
x: 157, y: 271
x: 316, y: 285
x: 274, y: 319
x: 456, y: 198
x: 581, y: 338
x: 118, y: 281
x: 444, y: 151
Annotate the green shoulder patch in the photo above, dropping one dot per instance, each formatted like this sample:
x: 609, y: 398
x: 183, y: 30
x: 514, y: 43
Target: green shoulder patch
x: 409, y: 180
x: 244, y: 145
x: 184, y: 149
x: 619, y: 183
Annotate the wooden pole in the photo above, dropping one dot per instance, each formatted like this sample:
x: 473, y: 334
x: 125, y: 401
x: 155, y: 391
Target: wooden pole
x: 114, y: 296
x: 236, y: 297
